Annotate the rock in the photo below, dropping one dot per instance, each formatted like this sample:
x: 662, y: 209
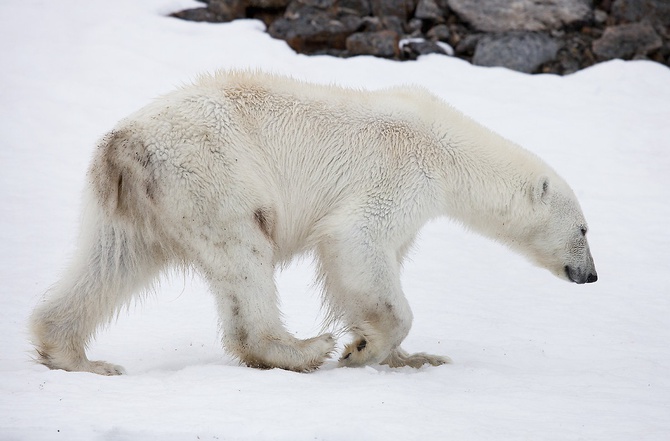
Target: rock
x: 526, y: 15
x: 635, y: 10
x: 200, y: 15
x: 553, y: 36
x: 415, y: 47
x: 414, y: 27
x: 265, y: 4
x: 267, y: 16
x: 439, y: 33
x: 231, y: 9
x: 318, y: 4
x: 627, y: 41
x: 374, y: 24
x: 429, y: 10
x: 600, y: 16
x: 467, y: 45
x: 575, y: 54
x: 311, y: 30
x: 360, y: 8
x: 298, y: 8
x: 523, y: 52
x: 371, y: 24
x: 380, y: 44
x: 393, y: 23
x: 399, y: 8
x: 227, y: 10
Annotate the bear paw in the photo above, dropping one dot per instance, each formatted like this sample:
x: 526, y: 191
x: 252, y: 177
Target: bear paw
x: 356, y: 354
x: 61, y: 361
x: 103, y: 368
x: 290, y: 354
x: 319, y: 349
x: 400, y: 358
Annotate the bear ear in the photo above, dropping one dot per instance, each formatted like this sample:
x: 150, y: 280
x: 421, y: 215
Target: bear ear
x: 540, y: 190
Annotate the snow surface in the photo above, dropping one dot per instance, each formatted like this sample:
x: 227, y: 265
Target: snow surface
x: 535, y: 358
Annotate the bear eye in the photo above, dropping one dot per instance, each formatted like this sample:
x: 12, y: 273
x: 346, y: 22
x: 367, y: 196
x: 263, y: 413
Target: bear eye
x: 583, y: 230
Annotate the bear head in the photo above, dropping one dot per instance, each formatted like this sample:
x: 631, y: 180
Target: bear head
x: 554, y: 235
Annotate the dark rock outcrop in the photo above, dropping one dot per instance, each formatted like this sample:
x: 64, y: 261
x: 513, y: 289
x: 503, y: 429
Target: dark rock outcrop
x: 522, y: 15
x: 379, y: 43
x: 548, y: 36
x: 634, y: 40
x: 657, y: 11
x: 520, y: 51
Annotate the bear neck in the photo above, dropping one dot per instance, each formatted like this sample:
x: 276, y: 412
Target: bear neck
x: 486, y: 181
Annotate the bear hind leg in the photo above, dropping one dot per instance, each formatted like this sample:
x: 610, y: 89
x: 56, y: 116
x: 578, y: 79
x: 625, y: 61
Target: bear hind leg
x: 111, y: 265
x: 239, y: 267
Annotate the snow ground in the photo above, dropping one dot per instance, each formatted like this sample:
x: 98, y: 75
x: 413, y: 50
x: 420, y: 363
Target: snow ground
x: 535, y: 358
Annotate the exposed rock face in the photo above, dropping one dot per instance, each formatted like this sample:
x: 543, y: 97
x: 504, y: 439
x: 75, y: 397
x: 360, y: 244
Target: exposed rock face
x: 308, y: 29
x: 399, y: 8
x: 634, y: 40
x: 380, y: 43
x: 429, y: 10
x: 523, y: 52
x: 657, y: 11
x: 522, y: 15
x: 533, y: 36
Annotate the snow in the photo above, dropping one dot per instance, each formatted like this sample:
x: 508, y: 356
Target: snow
x: 535, y: 358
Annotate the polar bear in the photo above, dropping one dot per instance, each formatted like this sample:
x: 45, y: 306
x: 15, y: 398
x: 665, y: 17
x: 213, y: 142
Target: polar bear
x: 241, y: 171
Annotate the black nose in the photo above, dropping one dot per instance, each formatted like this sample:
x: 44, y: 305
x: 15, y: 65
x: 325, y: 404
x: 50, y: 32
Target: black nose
x: 580, y: 277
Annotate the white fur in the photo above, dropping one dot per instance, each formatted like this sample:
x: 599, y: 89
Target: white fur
x: 241, y: 171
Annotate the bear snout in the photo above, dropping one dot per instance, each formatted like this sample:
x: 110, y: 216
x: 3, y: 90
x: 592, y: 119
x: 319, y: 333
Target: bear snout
x: 580, y: 277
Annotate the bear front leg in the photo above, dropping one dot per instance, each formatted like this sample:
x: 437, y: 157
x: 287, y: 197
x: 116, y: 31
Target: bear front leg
x: 361, y: 275
x: 362, y: 288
